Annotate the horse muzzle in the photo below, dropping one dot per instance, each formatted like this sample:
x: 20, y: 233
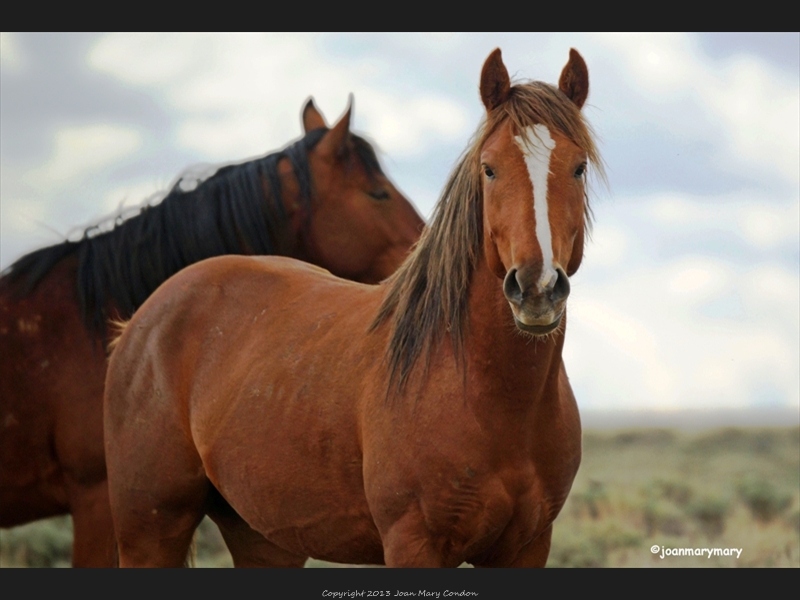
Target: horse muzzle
x: 537, y: 301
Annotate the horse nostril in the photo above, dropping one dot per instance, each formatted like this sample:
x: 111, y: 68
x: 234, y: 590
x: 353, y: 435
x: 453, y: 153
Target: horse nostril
x: 511, y: 287
x: 561, y: 288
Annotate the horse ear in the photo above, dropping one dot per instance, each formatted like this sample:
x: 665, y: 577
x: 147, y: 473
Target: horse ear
x: 312, y: 118
x: 333, y: 143
x: 495, y: 83
x: 574, y: 80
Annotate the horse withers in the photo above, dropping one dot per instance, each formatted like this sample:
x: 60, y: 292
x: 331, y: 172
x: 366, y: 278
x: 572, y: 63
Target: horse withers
x: 427, y: 421
x: 322, y: 199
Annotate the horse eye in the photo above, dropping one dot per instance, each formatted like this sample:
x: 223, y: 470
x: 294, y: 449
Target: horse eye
x: 488, y: 172
x: 379, y: 195
x: 580, y: 171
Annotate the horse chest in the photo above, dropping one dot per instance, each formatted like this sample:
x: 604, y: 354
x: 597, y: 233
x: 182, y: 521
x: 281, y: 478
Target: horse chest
x: 514, y: 513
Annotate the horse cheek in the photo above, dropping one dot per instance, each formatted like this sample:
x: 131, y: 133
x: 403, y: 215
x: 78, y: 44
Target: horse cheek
x: 491, y: 252
x: 577, y: 252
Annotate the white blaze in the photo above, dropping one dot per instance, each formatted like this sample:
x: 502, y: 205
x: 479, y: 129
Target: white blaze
x: 537, y: 158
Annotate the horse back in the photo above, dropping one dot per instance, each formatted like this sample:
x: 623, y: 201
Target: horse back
x: 221, y: 319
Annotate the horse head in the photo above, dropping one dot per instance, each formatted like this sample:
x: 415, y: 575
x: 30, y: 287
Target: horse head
x: 360, y: 225
x: 534, y: 196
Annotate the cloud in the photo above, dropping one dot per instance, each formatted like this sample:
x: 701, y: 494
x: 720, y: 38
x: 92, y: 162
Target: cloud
x: 79, y: 151
x: 693, y: 279
x: 767, y: 226
x: 760, y: 111
x: 762, y: 221
x: 608, y: 247
x: 674, y: 320
x: 25, y: 217
x: 644, y: 340
x: 11, y: 56
x: 158, y: 59
x: 772, y: 293
x: 614, y: 359
x: 409, y: 126
x: 746, y: 109
x: 242, y: 95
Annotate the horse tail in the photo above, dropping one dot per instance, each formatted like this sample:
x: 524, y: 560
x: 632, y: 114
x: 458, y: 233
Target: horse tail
x: 118, y: 327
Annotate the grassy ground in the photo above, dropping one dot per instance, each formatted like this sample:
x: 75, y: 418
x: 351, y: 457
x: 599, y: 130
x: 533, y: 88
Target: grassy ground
x: 728, y: 488
x: 637, y: 490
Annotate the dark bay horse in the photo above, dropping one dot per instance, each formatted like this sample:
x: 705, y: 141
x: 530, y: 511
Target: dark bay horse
x: 427, y: 421
x: 323, y: 199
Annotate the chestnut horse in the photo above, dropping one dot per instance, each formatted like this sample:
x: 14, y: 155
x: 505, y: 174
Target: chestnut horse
x: 427, y: 421
x: 323, y: 199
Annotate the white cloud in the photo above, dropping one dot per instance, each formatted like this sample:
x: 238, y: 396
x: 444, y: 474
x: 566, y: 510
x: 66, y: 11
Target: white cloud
x: 24, y: 216
x: 761, y: 221
x: 761, y: 114
x: 233, y: 137
x: 408, y: 126
x: 698, y: 330
x: 696, y: 278
x: 11, y: 56
x: 744, y: 108
x: 678, y: 210
x: 146, y: 59
x: 773, y: 295
x: 608, y: 247
x: 242, y: 94
x: 79, y: 151
x: 664, y: 63
x: 614, y: 360
x: 644, y: 340
x: 766, y: 226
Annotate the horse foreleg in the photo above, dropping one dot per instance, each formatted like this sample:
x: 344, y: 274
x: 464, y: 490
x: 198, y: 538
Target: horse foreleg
x: 93, y: 530
x: 536, y: 552
x: 159, y: 539
x: 408, y: 543
x: 248, y: 548
x: 154, y: 526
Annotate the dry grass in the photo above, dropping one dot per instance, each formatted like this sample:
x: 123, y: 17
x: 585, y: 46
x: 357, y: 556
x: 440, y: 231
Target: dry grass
x: 638, y: 488
x: 726, y: 488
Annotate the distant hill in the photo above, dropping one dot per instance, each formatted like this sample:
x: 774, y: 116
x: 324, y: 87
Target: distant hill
x: 691, y: 419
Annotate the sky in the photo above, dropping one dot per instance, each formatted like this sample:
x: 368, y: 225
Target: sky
x: 689, y: 293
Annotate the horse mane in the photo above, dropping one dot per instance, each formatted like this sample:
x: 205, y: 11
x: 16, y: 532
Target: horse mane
x: 427, y: 296
x: 237, y: 210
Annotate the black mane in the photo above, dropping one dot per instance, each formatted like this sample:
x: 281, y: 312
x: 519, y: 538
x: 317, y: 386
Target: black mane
x: 228, y: 213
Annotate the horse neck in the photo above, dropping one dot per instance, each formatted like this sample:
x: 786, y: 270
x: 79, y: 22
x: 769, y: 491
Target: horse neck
x: 521, y: 370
